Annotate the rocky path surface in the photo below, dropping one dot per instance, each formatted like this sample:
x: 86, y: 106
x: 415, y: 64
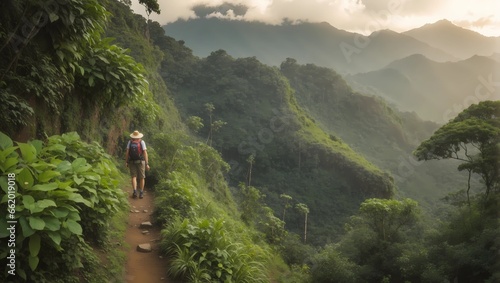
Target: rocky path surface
x: 144, y: 263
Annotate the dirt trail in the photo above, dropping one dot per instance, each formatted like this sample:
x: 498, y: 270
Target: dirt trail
x: 143, y: 267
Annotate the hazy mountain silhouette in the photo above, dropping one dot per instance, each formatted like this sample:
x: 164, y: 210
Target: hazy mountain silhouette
x: 317, y: 43
x: 436, y: 91
x: 457, y: 41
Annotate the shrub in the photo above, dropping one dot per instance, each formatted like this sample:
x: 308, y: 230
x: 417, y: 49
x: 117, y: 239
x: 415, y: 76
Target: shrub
x: 64, y: 195
x: 202, y: 252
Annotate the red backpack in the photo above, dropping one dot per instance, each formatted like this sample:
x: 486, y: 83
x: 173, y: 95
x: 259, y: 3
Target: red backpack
x: 135, y: 150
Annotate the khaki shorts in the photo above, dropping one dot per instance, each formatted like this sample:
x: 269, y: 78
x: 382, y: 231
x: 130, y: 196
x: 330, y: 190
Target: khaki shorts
x: 137, y: 169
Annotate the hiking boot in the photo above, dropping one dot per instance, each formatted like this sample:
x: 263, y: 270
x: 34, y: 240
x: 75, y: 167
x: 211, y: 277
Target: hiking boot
x: 141, y: 194
x: 134, y: 195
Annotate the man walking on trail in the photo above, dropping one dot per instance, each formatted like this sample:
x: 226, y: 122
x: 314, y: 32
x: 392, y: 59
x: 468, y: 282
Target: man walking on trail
x: 136, y: 159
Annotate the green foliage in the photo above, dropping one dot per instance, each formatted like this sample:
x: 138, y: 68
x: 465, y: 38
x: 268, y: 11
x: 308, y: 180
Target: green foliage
x: 331, y: 266
x: 295, y: 252
x: 202, y: 252
x: 297, y: 274
x: 250, y: 205
x: 378, y: 239
x: 194, y: 123
x: 151, y: 6
x: 466, y: 245
x: 54, y: 49
x: 118, y: 77
x: 174, y: 198
x: 373, y: 129
x: 66, y: 191
x: 291, y: 153
x: 387, y: 217
x: 473, y: 138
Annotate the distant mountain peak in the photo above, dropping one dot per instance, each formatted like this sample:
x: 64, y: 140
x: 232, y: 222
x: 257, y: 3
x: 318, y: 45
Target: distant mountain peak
x: 444, y: 22
x: 460, y: 42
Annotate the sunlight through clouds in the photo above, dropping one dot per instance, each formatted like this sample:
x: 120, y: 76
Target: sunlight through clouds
x: 351, y: 15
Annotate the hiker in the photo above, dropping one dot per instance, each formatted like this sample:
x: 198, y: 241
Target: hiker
x: 136, y: 159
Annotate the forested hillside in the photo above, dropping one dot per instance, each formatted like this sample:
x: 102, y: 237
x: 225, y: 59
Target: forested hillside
x: 291, y: 154
x: 260, y: 173
x: 385, y: 136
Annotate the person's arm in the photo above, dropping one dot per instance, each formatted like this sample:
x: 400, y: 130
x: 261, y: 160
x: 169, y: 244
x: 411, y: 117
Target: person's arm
x: 146, y: 159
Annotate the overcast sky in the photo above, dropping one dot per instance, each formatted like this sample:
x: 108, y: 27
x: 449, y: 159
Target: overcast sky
x: 362, y: 16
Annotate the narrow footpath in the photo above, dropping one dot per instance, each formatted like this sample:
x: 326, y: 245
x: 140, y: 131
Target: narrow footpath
x: 144, y: 263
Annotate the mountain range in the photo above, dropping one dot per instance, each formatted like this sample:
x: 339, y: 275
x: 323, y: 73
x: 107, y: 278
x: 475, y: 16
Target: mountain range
x: 433, y: 70
x: 437, y: 91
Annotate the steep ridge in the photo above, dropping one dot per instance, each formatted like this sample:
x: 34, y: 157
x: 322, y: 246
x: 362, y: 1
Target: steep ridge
x: 292, y: 154
x: 384, y: 136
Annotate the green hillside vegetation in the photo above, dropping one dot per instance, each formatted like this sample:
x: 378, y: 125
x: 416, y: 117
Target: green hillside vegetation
x: 386, y: 137
x: 254, y: 182
x: 67, y: 199
x: 292, y: 155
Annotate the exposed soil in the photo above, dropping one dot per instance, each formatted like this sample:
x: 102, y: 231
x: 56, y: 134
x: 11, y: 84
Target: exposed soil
x: 143, y: 267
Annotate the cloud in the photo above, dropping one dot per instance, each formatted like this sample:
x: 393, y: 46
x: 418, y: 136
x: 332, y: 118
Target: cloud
x: 363, y: 16
x: 223, y: 9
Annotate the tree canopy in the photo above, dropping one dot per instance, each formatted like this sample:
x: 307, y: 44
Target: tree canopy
x: 472, y: 137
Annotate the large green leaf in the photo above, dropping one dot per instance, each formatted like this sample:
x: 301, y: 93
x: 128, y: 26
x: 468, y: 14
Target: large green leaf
x: 25, y: 227
x: 74, y: 215
x: 7, y: 152
x: 78, y: 198
x: 45, y: 187
x: 56, y: 148
x: 37, y: 144
x: 74, y: 227
x: 28, y: 151
x: 36, y: 223
x: 25, y: 178
x: 47, y: 176
x: 80, y: 165
x: 7, y: 165
x: 40, y: 205
x: 59, y: 212
x: 28, y: 201
x: 33, y: 262
x: 64, y: 166
x: 5, y: 141
x: 56, y: 238
x: 34, y: 245
x: 52, y: 223
x: 78, y: 180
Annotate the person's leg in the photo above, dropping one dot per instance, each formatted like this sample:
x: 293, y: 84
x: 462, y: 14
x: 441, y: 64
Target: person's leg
x: 141, y: 186
x: 134, y: 185
x: 133, y: 174
x: 141, y: 174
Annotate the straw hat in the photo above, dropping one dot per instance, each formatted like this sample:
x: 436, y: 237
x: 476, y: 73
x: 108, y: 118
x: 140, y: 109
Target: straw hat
x: 136, y: 135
